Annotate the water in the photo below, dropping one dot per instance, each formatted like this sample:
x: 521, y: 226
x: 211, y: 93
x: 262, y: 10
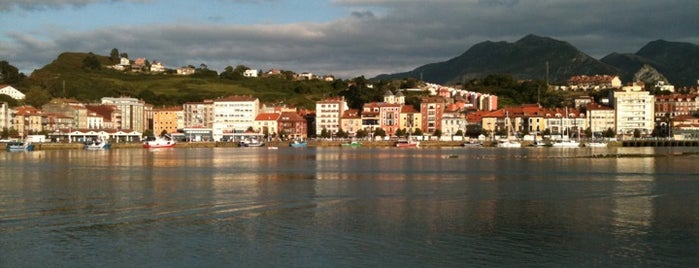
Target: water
x: 349, y: 207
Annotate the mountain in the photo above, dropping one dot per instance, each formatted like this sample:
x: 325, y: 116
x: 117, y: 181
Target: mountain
x: 677, y: 61
x: 524, y: 59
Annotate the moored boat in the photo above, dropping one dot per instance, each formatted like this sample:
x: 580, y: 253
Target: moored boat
x: 298, y: 143
x: 407, y: 143
x: 252, y: 143
x: 97, y: 145
x: 566, y: 144
x: 352, y: 144
x: 17, y: 146
x: 159, y: 143
x: 509, y: 144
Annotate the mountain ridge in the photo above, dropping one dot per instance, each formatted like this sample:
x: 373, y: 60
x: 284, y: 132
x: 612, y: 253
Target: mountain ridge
x: 531, y: 56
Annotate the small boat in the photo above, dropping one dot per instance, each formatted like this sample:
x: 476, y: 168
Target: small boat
x: 407, y: 144
x: 97, y: 145
x: 252, y: 143
x: 566, y: 144
x: 272, y: 147
x: 17, y: 146
x: 298, y: 144
x: 353, y: 144
x: 597, y: 144
x: 159, y: 143
x: 509, y: 144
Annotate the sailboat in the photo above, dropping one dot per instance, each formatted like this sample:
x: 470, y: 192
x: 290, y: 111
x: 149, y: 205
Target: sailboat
x: 509, y: 142
x: 566, y: 143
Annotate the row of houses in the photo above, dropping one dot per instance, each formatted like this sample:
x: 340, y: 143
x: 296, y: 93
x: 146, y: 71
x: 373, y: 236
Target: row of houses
x: 443, y: 109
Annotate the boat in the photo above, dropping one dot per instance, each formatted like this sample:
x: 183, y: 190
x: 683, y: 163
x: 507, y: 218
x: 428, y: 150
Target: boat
x: 252, y: 143
x: 17, y: 146
x: 407, y: 143
x: 272, y: 147
x: 298, y: 144
x: 565, y: 144
x: 97, y: 145
x: 509, y: 142
x: 597, y: 144
x: 159, y: 142
x: 353, y: 144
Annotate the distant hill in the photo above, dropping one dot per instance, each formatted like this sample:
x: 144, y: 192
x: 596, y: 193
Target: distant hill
x: 677, y: 61
x: 524, y: 59
x: 67, y: 77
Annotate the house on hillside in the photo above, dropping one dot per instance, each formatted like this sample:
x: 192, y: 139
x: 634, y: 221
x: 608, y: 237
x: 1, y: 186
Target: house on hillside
x: 11, y: 91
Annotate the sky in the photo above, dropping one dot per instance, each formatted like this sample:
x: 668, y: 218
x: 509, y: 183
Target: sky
x: 345, y: 38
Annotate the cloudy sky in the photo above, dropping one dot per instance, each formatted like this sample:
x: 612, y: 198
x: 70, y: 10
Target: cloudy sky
x: 346, y: 38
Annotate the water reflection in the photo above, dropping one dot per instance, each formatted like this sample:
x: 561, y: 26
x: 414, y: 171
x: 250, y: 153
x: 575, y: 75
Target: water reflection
x: 426, y: 206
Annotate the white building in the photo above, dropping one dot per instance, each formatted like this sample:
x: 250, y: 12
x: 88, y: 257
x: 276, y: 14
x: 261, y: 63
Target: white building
x: 234, y: 114
x: 328, y: 113
x: 12, y: 92
x: 5, y: 116
x: 634, y: 111
x: 132, y: 112
x: 600, y: 118
x: 250, y: 73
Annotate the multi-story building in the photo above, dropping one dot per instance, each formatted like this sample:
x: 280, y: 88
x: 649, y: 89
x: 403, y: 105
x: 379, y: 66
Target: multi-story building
x: 328, y: 113
x: 110, y: 114
x: 68, y: 107
x: 600, y: 118
x: 410, y: 119
x: 165, y: 120
x: 268, y: 124
x: 388, y: 115
x: 675, y: 104
x: 432, y: 109
x: 132, y: 112
x: 634, y: 111
x: 452, y: 122
x: 199, y: 114
x: 11, y: 91
x: 57, y: 122
x: 292, y: 125
x: 594, y: 82
x: 351, y: 122
x: 27, y: 120
x: 234, y: 114
x: 5, y: 116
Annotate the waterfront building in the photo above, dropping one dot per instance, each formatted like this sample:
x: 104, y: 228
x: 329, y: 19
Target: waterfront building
x: 410, y: 119
x: 234, y: 114
x: 388, y: 115
x: 432, y: 109
x: 165, y: 120
x: 110, y: 115
x: 27, y: 120
x: 328, y: 113
x: 292, y: 125
x: 5, y: 116
x: 634, y: 111
x: 452, y: 122
x: 268, y: 124
x: 351, y: 122
x: 198, y: 114
x: 675, y: 104
x: 68, y: 107
x: 600, y: 117
x: 132, y: 112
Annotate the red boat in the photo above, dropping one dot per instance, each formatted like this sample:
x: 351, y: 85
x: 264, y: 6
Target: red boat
x: 159, y: 143
x: 407, y: 143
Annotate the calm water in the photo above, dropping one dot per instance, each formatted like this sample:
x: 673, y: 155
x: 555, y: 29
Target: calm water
x: 342, y: 207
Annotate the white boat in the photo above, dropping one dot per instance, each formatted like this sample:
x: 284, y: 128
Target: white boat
x: 509, y: 144
x: 597, y: 144
x: 252, y: 143
x: 298, y: 143
x: 566, y: 144
x: 97, y: 145
x: 159, y: 143
x: 407, y: 144
x: 17, y: 146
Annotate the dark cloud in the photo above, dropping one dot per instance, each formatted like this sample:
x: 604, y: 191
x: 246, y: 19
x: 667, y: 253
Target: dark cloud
x: 380, y: 36
x: 35, y: 5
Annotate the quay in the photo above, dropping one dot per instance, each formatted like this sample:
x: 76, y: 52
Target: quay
x: 660, y: 143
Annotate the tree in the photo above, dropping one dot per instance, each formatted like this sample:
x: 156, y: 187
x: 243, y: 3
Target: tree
x: 636, y: 133
x: 10, y: 101
x: 91, y: 62
x: 437, y: 133
x: 163, y: 133
x: 9, y: 74
x: 114, y: 55
x: 459, y: 133
x: 609, y: 133
x: 361, y: 133
x: 341, y: 134
x: 417, y: 132
x: 124, y: 55
x: 148, y: 133
x: 324, y: 133
x: 37, y: 97
x: 379, y: 132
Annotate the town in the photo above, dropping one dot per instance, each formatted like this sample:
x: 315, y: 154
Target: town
x: 445, y: 113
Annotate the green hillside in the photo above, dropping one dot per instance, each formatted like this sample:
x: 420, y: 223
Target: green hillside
x: 67, y: 76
